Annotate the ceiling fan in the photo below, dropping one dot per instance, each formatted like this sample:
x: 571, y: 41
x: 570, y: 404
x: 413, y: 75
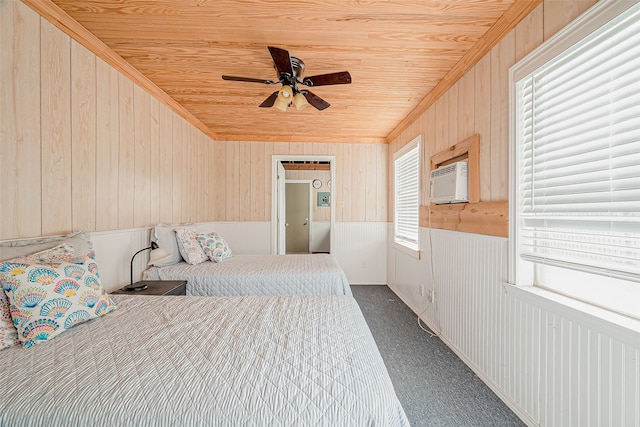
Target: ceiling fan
x: 290, y: 71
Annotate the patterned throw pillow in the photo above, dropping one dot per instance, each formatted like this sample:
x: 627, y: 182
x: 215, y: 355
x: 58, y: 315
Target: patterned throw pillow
x: 48, y: 299
x: 8, y: 332
x: 189, y: 247
x: 214, y: 246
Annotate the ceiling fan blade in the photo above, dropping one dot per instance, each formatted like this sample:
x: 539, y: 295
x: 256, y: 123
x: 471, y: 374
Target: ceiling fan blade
x: 315, y: 100
x: 270, y: 100
x: 341, y: 78
x: 282, y: 60
x: 247, y: 79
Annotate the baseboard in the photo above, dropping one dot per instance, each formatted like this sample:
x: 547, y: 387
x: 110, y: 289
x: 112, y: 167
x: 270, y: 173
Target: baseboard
x: 368, y: 283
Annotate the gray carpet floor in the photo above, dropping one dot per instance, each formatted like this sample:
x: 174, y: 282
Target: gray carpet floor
x: 434, y: 386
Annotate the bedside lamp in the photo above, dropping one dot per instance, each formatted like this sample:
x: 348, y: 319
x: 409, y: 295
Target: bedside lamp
x: 157, y: 254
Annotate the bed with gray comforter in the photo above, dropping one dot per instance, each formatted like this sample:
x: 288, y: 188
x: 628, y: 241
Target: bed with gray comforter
x: 317, y: 274
x: 190, y: 361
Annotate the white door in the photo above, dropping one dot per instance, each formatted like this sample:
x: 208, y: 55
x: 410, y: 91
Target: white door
x: 298, y: 217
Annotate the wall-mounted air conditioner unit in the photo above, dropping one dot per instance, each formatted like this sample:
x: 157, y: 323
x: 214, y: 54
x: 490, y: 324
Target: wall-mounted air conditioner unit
x: 449, y: 184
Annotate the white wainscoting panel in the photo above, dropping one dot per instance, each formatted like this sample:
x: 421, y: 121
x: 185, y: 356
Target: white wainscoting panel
x: 554, y: 366
x: 589, y: 368
x: 410, y: 277
x: 361, y: 250
x: 244, y: 238
x: 320, y: 240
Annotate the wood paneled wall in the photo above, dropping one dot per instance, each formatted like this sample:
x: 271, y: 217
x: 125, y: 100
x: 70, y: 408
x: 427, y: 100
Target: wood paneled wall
x: 479, y: 103
x: 84, y: 148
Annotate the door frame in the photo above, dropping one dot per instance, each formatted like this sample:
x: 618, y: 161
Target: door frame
x: 278, y: 158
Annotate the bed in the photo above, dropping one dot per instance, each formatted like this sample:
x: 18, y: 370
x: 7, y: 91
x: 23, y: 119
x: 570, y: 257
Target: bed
x: 190, y: 361
x: 317, y: 274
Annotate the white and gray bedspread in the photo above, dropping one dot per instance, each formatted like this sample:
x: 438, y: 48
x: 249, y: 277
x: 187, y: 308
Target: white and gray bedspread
x: 190, y: 361
x: 317, y: 274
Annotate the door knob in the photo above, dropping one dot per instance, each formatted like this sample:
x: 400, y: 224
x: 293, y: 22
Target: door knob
x: 286, y: 224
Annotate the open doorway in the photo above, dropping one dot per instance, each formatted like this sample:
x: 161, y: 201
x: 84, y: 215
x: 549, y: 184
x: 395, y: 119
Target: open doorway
x: 317, y: 174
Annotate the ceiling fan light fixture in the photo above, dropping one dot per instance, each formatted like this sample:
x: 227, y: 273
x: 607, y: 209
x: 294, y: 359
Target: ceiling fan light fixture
x: 281, y: 103
x: 300, y: 101
x: 286, y: 93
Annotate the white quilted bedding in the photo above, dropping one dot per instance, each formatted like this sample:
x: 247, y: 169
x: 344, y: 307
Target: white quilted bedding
x: 191, y: 361
x: 318, y: 274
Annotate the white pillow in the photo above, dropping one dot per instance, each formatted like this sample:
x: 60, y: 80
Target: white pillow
x: 165, y: 236
x: 17, y: 248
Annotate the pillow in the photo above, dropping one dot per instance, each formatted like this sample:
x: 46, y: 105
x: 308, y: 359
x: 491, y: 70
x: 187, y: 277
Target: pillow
x: 165, y: 236
x: 17, y: 248
x: 214, y: 246
x: 60, y: 253
x: 189, y: 247
x: 47, y: 299
x: 8, y: 332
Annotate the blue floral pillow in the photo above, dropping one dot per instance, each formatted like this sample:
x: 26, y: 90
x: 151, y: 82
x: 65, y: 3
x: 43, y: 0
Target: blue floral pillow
x: 8, y: 333
x: 47, y: 299
x: 214, y: 246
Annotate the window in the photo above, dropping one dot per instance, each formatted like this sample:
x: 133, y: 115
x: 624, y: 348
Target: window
x: 576, y: 175
x: 407, y: 195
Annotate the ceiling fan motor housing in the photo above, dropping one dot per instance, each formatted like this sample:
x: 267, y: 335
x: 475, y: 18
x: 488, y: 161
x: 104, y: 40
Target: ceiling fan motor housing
x: 297, y: 66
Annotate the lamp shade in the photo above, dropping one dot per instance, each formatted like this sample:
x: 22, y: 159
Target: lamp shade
x: 300, y: 101
x: 158, y: 255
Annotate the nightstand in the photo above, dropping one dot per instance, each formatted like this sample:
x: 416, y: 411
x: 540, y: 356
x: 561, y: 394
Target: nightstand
x: 156, y: 287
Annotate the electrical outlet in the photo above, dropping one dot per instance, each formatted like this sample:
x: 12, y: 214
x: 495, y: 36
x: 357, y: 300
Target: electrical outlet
x: 432, y: 296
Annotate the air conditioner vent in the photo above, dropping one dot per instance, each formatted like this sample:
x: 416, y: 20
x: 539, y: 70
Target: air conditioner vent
x: 444, y: 170
x: 449, y: 184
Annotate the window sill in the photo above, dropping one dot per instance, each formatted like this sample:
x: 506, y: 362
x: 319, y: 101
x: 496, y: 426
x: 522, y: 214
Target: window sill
x: 406, y: 249
x: 596, y: 317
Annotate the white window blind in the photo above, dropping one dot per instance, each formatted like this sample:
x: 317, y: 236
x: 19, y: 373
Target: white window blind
x: 578, y: 133
x: 407, y: 195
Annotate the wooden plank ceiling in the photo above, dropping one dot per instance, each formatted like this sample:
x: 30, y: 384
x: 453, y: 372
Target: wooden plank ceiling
x: 397, y: 51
